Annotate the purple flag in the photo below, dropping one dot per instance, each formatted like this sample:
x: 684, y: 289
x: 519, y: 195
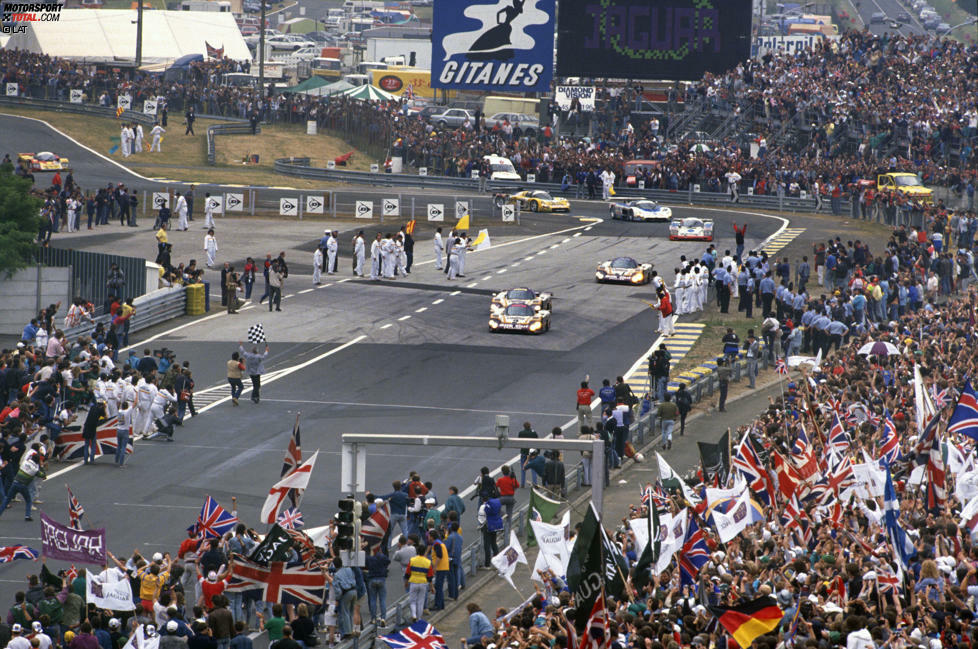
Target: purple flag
x: 61, y: 542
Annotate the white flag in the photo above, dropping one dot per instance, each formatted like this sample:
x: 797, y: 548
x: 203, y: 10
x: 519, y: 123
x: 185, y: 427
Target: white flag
x: 666, y: 472
x: 730, y: 525
x: 140, y: 641
x: 554, y: 548
x: 105, y: 593
x: 298, y: 479
x: 675, y: 537
x: 505, y: 562
x: 713, y: 495
x: 923, y: 406
x: 482, y: 241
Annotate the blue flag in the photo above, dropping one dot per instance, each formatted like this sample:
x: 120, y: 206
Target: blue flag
x: 903, y: 550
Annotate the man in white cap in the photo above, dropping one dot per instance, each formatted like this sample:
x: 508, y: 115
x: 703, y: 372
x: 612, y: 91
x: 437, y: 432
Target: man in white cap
x: 17, y: 639
x: 170, y: 639
x: 44, y: 640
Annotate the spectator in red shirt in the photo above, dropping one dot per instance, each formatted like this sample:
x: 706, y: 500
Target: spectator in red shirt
x: 584, y: 397
x: 507, y: 484
x: 189, y: 544
x: 213, y: 585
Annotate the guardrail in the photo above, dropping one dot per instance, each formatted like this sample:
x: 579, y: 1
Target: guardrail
x: 299, y: 167
x: 81, y: 109
x: 151, y: 309
x: 225, y: 129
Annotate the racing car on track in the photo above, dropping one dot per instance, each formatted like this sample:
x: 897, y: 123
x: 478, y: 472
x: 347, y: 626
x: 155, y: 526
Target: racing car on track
x: 523, y: 318
x: 533, y: 200
x: 623, y: 270
x: 640, y: 210
x: 43, y: 161
x: 691, y: 229
x: 522, y: 295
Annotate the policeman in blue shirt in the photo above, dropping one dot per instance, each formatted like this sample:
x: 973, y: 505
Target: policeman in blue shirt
x: 779, y: 292
x: 767, y: 293
x: 836, y: 330
x: 820, y: 339
x: 798, y: 305
x: 742, y: 278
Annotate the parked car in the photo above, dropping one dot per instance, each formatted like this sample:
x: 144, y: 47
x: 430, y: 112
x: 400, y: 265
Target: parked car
x: 877, y: 17
x: 288, y: 42
x: 943, y: 28
x: 903, y: 17
x: 453, y: 117
x: 528, y: 123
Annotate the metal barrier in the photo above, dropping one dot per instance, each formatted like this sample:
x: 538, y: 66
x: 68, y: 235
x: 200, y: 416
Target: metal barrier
x: 89, y: 271
x: 151, y: 309
x: 81, y: 109
x: 299, y: 167
x: 243, y: 128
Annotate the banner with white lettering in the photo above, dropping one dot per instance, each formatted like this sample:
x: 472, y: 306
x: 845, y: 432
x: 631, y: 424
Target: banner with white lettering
x: 106, y: 594
x: 79, y: 546
x: 579, y: 98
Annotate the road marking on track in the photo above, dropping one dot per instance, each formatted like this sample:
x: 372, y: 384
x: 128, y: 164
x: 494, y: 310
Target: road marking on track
x: 421, y: 310
x: 556, y: 245
x: 271, y: 377
x: 500, y: 271
x: 403, y: 318
x: 566, y: 240
x: 438, y: 301
x: 588, y: 228
x: 405, y: 406
x: 308, y: 290
x: 290, y: 295
x: 454, y: 293
x: 487, y: 278
x: 515, y: 264
x: 778, y: 241
x: 577, y: 234
x: 542, y: 252
x: 473, y: 284
x: 387, y: 326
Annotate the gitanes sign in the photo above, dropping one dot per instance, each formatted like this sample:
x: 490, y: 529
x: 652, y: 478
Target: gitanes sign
x: 502, y: 45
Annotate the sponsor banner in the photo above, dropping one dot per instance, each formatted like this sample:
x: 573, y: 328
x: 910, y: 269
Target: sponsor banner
x: 76, y: 96
x: 580, y: 98
x: 234, y: 202
x: 215, y: 203
x: 315, y: 204
x: 795, y: 44
x: 498, y: 45
x: 646, y: 39
x: 391, y: 207
x: 364, y: 210
x: 124, y: 102
x: 436, y: 212
x: 410, y: 83
x: 78, y: 546
x: 107, y: 594
x: 161, y: 200
x: 288, y: 206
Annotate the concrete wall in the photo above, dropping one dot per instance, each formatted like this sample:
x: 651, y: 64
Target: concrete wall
x: 19, y: 295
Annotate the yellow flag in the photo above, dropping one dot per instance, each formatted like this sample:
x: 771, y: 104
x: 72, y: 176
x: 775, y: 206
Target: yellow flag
x: 463, y: 224
x: 611, y: 191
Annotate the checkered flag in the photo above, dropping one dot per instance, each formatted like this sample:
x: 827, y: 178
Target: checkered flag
x: 256, y: 334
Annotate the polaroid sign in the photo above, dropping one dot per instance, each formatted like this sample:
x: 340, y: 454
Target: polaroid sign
x: 504, y: 45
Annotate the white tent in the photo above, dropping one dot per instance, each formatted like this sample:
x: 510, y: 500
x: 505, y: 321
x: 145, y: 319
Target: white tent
x: 104, y: 35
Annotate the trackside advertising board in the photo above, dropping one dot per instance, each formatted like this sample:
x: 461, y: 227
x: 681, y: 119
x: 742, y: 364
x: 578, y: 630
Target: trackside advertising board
x: 496, y: 45
x: 652, y: 39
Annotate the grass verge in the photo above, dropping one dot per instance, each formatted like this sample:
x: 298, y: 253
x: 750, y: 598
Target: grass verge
x: 184, y: 157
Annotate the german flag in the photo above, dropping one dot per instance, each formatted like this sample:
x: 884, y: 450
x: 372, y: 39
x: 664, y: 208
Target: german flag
x: 750, y: 620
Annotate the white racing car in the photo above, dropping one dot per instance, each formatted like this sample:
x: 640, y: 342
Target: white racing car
x: 691, y: 229
x: 640, y: 210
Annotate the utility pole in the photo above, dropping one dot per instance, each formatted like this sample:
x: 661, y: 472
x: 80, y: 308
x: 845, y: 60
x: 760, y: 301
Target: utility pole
x: 261, y: 55
x: 139, y: 34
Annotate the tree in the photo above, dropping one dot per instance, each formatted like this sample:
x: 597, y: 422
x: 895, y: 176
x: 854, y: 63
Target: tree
x: 19, y: 222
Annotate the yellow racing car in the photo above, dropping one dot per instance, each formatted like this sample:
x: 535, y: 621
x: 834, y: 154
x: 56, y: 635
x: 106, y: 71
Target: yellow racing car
x: 43, y: 161
x: 534, y: 200
x: 521, y: 318
x: 522, y: 295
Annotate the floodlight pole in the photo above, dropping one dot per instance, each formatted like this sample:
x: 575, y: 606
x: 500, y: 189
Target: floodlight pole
x: 353, y: 473
x: 261, y: 57
x: 139, y: 34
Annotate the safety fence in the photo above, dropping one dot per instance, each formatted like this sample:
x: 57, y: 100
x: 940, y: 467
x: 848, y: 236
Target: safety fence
x: 90, y: 273
x: 80, y: 109
x: 243, y: 128
x: 152, y: 309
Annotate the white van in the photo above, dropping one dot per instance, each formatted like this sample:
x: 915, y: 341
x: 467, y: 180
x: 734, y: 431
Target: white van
x: 501, y: 168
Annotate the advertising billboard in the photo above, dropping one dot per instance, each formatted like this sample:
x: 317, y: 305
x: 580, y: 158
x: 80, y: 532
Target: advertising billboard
x: 652, y: 39
x: 495, y: 45
x: 404, y: 81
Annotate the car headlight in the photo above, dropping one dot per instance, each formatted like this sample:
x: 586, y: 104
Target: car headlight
x: 599, y: 274
x: 536, y: 326
x: 493, y: 324
x: 638, y: 277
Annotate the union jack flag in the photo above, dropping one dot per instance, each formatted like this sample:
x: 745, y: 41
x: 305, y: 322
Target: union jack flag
x: 596, y: 634
x: 926, y: 441
x: 375, y: 528
x: 781, y: 367
x: 647, y: 495
x: 793, y: 514
x: 890, y: 445
x: 290, y: 519
x: 936, y: 473
x: 278, y: 582
x: 803, y: 455
x: 838, y: 437
x: 71, y: 446
x: 14, y: 552
x: 941, y: 398
x: 694, y: 554
x: 213, y: 522
x: 304, y: 545
x: 964, y: 419
x: 420, y: 635
x: 75, y: 511
x: 888, y: 581
x: 749, y: 463
x: 293, y: 458
x: 841, y: 475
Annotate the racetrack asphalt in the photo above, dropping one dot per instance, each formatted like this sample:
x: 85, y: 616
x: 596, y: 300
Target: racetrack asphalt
x: 418, y: 359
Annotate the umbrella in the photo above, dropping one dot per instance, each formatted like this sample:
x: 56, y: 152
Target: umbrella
x: 368, y: 93
x: 699, y: 148
x: 878, y: 349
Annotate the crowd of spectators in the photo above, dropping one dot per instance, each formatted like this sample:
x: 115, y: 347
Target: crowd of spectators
x: 867, y: 102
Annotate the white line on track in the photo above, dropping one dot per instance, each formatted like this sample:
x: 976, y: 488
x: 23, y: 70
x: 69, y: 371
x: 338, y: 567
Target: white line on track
x: 577, y: 234
x: 438, y: 301
x: 290, y: 295
x: 308, y: 290
x: 387, y: 326
x: 566, y: 240
x: 556, y: 245
x: 403, y: 318
x: 421, y: 310
x: 500, y: 271
x: 487, y: 278
x: 542, y: 252
x: 405, y: 406
x: 454, y: 293
x: 515, y: 264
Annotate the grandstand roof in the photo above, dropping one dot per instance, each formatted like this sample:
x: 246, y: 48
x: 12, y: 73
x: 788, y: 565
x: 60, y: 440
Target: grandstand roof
x: 105, y: 35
